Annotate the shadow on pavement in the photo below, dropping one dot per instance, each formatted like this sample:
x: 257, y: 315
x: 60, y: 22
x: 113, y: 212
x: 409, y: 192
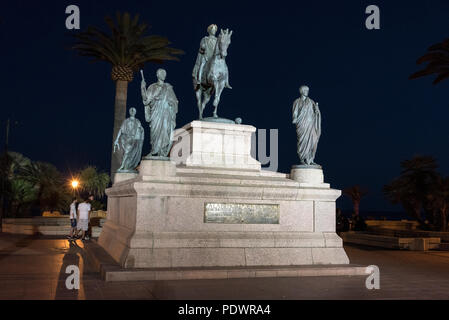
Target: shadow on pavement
x: 75, y: 256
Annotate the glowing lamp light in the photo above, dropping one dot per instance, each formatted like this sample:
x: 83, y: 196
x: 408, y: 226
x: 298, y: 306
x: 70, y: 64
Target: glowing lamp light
x: 75, y: 184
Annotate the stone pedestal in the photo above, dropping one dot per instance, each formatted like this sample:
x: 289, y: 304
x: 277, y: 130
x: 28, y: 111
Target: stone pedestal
x: 123, y: 176
x: 151, y: 169
x: 308, y: 176
x: 218, y: 145
x: 203, y: 213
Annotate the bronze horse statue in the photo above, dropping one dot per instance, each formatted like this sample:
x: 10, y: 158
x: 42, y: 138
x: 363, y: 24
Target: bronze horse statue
x: 215, y: 76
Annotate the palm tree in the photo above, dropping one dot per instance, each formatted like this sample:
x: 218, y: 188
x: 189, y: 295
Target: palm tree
x: 411, y: 188
x: 29, y: 185
x: 127, y: 49
x: 52, y: 192
x: 94, y: 182
x: 438, y: 59
x: 12, y: 186
x: 17, y: 164
x: 23, y: 197
x: 439, y: 201
x: 356, y: 193
x: 22, y: 194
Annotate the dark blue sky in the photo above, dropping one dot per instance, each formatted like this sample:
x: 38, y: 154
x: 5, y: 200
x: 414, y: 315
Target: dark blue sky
x: 373, y: 116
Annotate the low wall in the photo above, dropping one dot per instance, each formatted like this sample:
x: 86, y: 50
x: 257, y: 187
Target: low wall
x: 392, y: 224
x: 51, y: 226
x: 419, y: 244
x: 444, y: 236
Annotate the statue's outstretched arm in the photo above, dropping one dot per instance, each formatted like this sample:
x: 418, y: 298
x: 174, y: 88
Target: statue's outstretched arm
x: 317, y: 109
x: 143, y: 89
x: 295, y: 113
x: 144, y: 93
x: 116, y: 142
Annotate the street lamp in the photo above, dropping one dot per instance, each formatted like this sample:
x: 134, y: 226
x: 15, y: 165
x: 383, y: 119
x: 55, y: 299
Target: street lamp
x: 75, y: 184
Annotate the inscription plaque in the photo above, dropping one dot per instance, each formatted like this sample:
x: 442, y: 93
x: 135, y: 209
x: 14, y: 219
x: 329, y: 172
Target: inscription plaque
x: 241, y: 213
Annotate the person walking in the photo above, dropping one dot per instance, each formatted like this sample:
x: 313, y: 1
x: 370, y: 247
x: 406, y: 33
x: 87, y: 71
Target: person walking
x: 84, y: 209
x: 72, y: 218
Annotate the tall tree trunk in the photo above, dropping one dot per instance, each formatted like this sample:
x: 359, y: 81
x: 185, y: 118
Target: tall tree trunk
x: 121, y: 93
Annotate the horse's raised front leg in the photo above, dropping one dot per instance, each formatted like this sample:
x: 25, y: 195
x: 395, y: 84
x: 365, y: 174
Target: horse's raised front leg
x: 198, y: 101
x: 219, y: 85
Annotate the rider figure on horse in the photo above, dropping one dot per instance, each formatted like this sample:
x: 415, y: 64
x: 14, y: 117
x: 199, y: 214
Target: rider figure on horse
x: 210, y: 73
x: 207, y: 47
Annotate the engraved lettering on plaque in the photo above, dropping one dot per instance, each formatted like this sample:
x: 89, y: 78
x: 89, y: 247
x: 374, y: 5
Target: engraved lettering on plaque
x: 240, y: 213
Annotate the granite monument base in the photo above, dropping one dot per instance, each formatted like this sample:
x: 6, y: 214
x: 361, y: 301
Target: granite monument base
x: 124, y: 176
x: 206, y: 212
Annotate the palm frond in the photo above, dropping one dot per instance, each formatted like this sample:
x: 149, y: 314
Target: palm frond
x: 124, y: 43
x: 94, y: 182
x: 438, y: 62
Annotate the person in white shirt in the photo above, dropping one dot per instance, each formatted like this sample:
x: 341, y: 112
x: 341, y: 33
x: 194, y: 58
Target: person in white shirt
x: 73, y: 218
x: 84, y: 209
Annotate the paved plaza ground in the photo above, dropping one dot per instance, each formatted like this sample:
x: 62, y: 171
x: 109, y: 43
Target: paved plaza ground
x: 34, y: 268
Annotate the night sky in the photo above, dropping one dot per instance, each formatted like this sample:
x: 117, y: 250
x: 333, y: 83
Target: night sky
x: 373, y: 117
